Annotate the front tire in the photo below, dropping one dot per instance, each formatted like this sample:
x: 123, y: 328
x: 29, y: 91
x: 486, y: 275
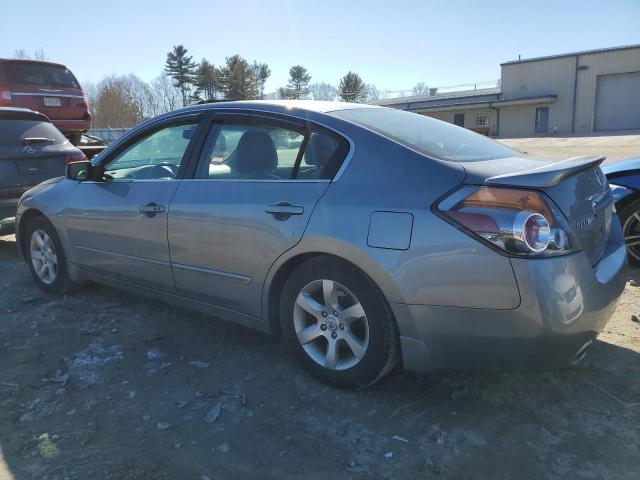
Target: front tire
x: 45, y: 257
x: 630, y: 220
x: 337, y: 325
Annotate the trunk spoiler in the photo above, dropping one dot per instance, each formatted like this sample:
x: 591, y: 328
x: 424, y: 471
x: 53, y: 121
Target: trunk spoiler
x: 547, y: 175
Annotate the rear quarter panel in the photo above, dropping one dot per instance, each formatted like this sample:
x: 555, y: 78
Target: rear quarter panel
x: 442, y: 265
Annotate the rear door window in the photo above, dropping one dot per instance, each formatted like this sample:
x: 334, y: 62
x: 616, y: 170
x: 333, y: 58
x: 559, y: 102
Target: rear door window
x: 16, y: 133
x: 39, y: 75
x: 262, y: 150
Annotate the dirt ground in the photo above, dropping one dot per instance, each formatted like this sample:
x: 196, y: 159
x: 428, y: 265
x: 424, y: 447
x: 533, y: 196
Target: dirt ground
x: 615, y: 147
x: 104, y: 385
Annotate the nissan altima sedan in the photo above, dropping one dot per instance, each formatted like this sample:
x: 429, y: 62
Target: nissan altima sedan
x: 364, y: 236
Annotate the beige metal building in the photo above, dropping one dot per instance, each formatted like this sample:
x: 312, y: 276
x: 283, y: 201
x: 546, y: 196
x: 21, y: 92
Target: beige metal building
x: 573, y: 93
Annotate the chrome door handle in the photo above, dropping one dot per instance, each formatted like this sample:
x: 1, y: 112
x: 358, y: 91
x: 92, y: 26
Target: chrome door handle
x: 150, y: 209
x: 283, y: 210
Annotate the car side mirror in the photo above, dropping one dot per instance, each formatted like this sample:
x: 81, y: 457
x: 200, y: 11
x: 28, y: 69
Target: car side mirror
x: 80, y: 171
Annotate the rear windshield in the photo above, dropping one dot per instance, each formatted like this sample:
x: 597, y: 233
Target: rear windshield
x: 427, y: 135
x: 39, y: 75
x: 16, y: 133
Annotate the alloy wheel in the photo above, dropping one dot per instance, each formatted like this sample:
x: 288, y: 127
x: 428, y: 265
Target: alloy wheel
x: 631, y: 229
x: 331, y: 324
x: 43, y: 256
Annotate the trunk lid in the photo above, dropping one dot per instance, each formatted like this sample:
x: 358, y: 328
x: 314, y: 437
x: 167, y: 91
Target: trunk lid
x: 577, y: 186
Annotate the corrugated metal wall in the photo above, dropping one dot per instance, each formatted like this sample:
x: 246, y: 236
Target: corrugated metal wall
x: 558, y: 76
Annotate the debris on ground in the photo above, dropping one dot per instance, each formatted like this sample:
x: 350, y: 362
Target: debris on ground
x: 214, y: 413
x: 199, y: 364
x: 634, y: 318
x: 155, y: 353
x: 87, y: 364
x: 60, y: 378
x: 240, y: 396
x: 400, y: 439
x: 163, y: 425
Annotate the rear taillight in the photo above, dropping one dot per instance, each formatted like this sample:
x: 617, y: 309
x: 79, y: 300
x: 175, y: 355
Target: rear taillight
x: 75, y: 157
x: 84, y: 103
x: 518, y: 222
x: 5, y: 98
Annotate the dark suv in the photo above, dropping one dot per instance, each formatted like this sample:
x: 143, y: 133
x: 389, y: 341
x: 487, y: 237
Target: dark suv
x: 31, y: 150
x: 49, y: 88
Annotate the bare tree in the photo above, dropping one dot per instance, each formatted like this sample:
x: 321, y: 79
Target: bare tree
x: 114, y: 107
x: 21, y: 54
x: 166, y: 96
x: 421, y: 89
x: 372, y: 93
x: 39, y: 54
x: 323, y: 91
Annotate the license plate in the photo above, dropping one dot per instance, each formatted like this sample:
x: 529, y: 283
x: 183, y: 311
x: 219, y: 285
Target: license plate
x: 52, y: 102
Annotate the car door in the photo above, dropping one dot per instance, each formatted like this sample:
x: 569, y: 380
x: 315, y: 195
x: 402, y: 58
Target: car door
x: 118, y: 227
x: 253, y: 190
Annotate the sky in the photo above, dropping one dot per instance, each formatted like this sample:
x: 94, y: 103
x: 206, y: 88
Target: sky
x: 393, y: 44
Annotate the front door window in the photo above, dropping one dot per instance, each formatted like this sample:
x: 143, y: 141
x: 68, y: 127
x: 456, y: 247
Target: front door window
x: 157, y: 156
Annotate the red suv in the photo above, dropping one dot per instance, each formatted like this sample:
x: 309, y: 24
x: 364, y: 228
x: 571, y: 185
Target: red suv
x: 49, y: 88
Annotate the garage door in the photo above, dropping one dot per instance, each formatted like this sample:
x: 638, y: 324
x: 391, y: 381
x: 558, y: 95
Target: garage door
x: 618, y: 102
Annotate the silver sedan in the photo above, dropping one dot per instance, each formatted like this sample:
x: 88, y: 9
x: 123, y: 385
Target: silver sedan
x: 366, y: 237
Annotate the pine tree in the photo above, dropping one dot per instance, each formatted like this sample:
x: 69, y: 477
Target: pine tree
x: 298, y: 86
x: 206, y: 81
x: 352, y: 88
x: 181, y: 68
x: 238, y: 79
x: 261, y: 72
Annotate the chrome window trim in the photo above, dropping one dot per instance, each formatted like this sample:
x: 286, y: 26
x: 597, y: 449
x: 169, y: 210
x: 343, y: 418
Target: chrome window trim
x: 34, y: 94
x: 242, y: 111
x: 246, y: 180
x: 259, y: 180
x: 352, y: 145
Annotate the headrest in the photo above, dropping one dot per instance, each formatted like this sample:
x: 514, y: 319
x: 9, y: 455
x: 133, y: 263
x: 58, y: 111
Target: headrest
x: 255, y: 154
x: 320, y: 149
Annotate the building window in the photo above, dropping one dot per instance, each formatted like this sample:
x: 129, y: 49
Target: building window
x: 482, y: 120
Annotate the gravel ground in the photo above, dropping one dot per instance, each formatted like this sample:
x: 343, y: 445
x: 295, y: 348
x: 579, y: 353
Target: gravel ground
x: 615, y: 147
x: 101, y: 384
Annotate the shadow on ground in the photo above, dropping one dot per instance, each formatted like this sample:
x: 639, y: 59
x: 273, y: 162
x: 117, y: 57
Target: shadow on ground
x: 101, y: 384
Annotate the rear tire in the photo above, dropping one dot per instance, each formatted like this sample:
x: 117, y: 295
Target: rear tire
x: 46, y: 258
x: 630, y: 220
x: 337, y: 324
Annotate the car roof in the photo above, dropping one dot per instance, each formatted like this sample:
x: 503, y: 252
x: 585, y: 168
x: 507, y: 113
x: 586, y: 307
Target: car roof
x: 38, y: 62
x: 16, y: 113
x: 281, y: 106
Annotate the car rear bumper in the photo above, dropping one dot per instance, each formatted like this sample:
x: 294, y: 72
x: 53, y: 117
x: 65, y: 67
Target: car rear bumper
x: 72, y: 126
x: 565, y: 303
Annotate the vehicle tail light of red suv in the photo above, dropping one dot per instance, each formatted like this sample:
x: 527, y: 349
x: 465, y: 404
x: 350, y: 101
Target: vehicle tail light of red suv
x: 5, y: 97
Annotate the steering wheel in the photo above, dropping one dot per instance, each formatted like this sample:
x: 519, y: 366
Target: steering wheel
x: 162, y: 170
